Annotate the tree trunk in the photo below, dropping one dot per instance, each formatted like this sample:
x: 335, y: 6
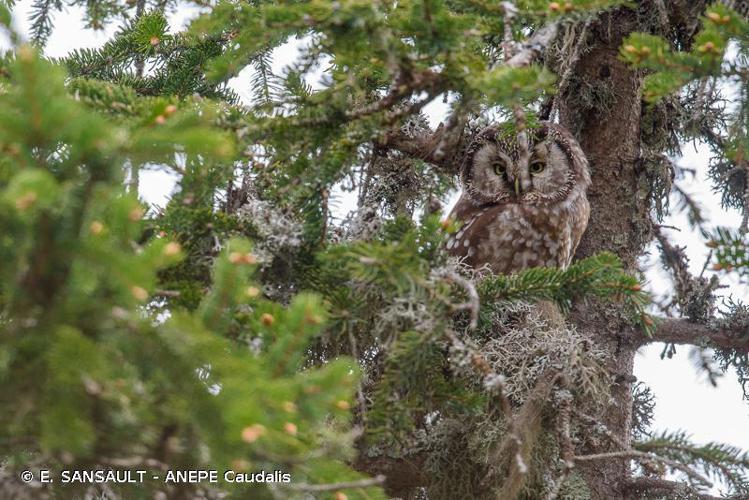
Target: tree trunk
x: 602, y: 104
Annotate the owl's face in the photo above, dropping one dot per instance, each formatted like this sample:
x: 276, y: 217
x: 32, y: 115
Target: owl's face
x: 493, y: 172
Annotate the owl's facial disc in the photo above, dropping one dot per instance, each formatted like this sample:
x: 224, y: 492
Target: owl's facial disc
x: 549, y: 171
x: 490, y: 173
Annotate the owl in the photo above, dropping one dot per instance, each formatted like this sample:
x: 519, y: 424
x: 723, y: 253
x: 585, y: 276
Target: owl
x: 512, y: 216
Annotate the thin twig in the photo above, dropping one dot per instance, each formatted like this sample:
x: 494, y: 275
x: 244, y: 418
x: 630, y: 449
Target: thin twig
x: 678, y: 263
x: 359, y: 390
x: 641, y: 455
x: 517, y: 110
x: 405, y: 84
x: 473, y: 303
x: 708, y: 259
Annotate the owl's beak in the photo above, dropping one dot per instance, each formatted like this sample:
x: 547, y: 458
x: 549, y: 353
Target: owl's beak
x: 517, y: 186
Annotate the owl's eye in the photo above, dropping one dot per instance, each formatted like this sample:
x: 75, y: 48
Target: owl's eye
x: 499, y: 167
x: 537, y: 167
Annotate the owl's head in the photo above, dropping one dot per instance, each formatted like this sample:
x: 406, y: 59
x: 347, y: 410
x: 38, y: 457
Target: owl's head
x: 492, y: 171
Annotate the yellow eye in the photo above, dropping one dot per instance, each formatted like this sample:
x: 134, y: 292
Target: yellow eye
x: 537, y: 167
x: 499, y: 167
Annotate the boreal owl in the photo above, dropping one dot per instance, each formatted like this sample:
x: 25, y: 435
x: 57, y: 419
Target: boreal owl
x: 513, y: 216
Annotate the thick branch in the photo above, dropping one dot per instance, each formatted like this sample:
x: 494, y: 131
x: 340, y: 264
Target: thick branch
x: 423, y: 147
x: 681, y: 331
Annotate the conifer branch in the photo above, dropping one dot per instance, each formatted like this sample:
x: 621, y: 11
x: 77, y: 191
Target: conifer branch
x: 657, y: 486
x: 450, y: 136
x: 439, y: 148
x: 601, y: 275
x: 676, y: 261
x: 406, y: 84
x: 682, y: 331
x: 641, y: 455
x: 693, y: 294
x: 715, y: 459
x: 444, y: 397
x: 512, y: 454
x: 41, y: 19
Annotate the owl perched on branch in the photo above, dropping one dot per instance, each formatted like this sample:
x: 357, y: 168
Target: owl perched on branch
x: 513, y: 216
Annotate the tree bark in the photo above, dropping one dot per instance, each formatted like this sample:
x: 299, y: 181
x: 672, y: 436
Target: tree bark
x: 609, y: 133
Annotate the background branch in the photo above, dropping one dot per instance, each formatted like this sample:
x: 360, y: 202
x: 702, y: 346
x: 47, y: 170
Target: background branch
x: 681, y: 331
x: 440, y: 147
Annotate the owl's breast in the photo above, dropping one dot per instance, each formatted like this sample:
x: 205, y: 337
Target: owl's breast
x: 511, y: 237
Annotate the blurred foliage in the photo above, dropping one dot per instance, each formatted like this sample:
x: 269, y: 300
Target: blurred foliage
x: 92, y: 378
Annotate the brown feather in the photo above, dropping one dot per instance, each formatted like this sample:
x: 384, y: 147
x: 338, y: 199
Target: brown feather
x: 507, y: 232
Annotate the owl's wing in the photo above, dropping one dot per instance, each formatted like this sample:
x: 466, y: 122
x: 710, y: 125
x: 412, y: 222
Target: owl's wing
x: 464, y: 209
x: 578, y: 222
x: 467, y: 214
x: 510, y: 237
x: 489, y: 235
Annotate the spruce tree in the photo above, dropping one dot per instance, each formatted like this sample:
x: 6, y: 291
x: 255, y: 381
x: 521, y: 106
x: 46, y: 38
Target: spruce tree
x: 245, y: 327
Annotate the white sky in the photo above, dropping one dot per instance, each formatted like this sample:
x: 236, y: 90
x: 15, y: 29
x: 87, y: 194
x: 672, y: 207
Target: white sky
x: 684, y: 399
